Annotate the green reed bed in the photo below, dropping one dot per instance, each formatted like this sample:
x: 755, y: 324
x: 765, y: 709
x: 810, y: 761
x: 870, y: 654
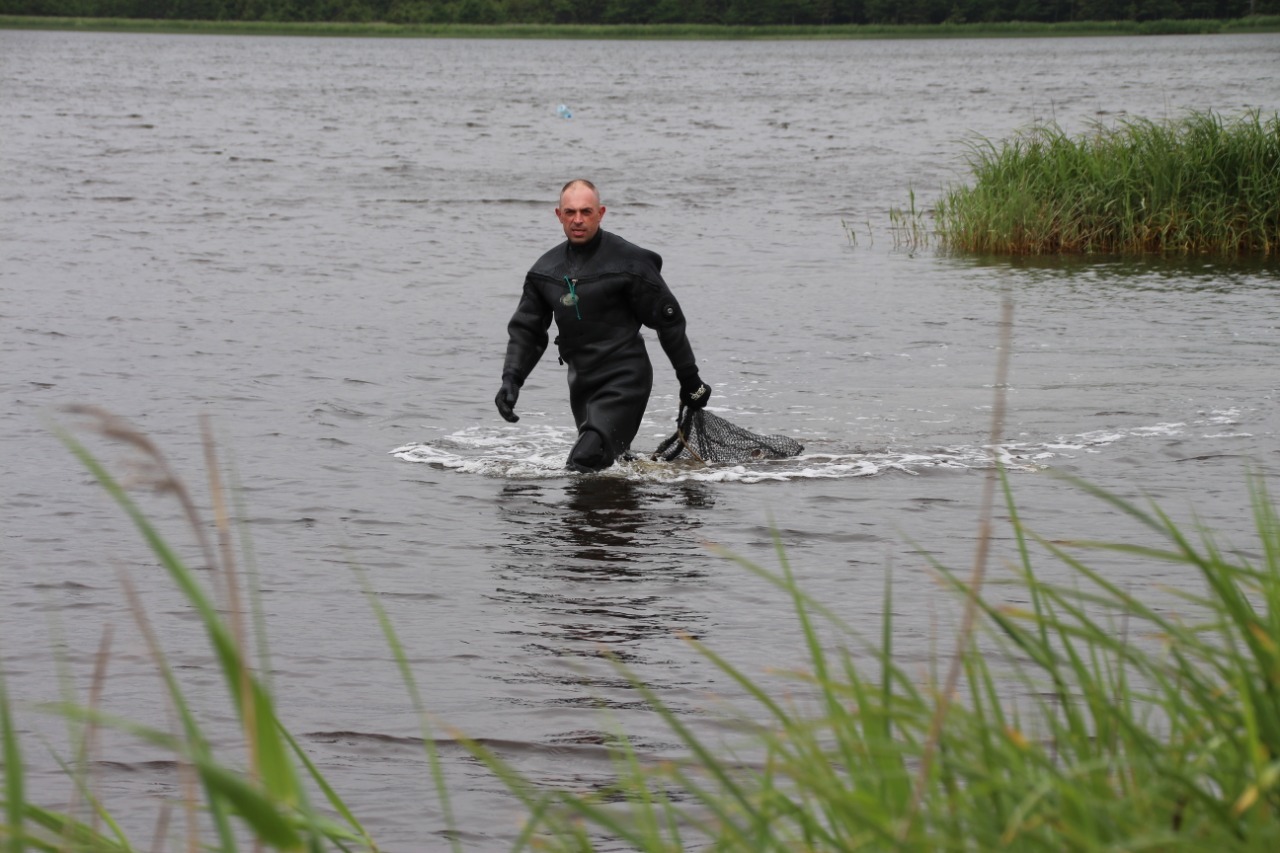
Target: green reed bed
x: 1082, y: 718
x: 1201, y: 185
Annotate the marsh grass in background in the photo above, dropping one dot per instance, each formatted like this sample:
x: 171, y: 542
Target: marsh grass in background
x: 1201, y: 185
x: 1086, y: 718
x: 401, y: 24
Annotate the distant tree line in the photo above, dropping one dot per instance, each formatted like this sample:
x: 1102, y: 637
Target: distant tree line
x: 731, y: 12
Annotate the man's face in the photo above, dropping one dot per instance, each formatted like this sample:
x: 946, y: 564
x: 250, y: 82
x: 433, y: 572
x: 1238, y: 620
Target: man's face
x: 580, y: 213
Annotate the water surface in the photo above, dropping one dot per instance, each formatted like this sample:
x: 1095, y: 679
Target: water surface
x: 317, y: 244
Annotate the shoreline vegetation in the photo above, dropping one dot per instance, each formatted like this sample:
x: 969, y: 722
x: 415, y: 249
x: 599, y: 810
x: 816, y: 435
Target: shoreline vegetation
x: 691, y: 32
x: 1101, y: 721
x: 1202, y: 185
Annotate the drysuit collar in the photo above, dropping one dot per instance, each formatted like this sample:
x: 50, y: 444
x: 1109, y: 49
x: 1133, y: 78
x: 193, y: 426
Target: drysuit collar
x: 587, y: 250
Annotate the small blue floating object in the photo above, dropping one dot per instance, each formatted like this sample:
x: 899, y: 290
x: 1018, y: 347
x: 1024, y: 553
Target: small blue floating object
x: 563, y: 112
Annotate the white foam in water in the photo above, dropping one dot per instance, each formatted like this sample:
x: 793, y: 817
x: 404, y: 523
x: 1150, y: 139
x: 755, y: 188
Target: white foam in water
x: 540, y: 453
x: 532, y: 452
x: 502, y: 452
x: 1093, y: 440
x: 1225, y: 417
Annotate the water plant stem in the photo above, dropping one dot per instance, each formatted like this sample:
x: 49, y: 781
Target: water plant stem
x: 964, y: 637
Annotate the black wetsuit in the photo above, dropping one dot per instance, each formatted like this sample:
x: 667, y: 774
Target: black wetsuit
x: 600, y: 294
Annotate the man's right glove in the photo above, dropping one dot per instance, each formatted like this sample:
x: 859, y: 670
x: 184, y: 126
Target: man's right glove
x: 694, y: 393
x: 506, y: 399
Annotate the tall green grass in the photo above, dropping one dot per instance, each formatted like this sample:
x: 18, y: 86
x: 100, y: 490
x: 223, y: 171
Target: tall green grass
x: 1087, y: 719
x: 1084, y: 718
x: 259, y: 793
x: 1201, y: 185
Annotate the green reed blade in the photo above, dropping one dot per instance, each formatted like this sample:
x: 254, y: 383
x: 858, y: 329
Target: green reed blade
x: 117, y: 838
x: 252, y: 703
x: 330, y: 794
x: 14, y: 772
x: 67, y: 834
x: 419, y: 706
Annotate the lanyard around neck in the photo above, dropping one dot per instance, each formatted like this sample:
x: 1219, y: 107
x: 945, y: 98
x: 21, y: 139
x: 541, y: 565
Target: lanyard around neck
x: 572, y: 298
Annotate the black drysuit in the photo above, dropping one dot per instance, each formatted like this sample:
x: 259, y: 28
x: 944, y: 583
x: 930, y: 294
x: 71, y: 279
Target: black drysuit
x: 600, y: 294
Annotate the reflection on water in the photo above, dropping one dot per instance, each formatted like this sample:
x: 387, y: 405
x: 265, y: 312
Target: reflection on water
x: 605, y: 523
x: 1157, y: 273
x: 597, y: 579
x: 598, y: 564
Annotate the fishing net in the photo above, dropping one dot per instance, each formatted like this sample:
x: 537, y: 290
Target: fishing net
x: 705, y: 437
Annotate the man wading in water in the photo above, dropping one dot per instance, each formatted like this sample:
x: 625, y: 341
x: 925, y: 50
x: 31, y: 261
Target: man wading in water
x: 600, y: 289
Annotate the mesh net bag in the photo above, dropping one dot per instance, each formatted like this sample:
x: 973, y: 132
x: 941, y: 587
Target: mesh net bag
x: 705, y: 437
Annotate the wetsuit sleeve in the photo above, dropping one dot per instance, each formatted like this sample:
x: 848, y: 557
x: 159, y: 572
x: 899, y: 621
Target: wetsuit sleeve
x: 527, y: 335
x: 658, y: 309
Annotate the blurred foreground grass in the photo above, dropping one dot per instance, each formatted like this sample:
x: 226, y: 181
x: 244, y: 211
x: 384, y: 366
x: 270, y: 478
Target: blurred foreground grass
x: 1164, y: 734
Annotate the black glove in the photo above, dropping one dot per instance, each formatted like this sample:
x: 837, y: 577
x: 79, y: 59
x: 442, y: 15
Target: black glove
x: 506, y: 399
x: 694, y: 393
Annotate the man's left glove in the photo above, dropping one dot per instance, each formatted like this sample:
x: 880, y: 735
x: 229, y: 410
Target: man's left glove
x: 506, y: 399
x: 694, y: 393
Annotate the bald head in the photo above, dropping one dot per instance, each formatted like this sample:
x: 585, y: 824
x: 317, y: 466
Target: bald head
x: 582, y: 183
x: 580, y: 211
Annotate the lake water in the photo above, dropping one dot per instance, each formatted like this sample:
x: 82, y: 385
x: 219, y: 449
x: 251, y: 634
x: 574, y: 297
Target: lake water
x: 317, y: 245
